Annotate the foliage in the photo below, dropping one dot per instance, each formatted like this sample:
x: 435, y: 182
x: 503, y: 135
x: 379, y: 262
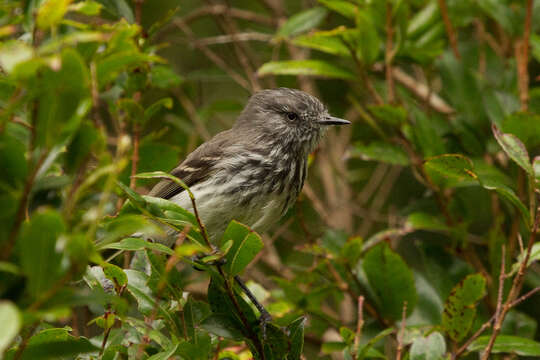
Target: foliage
x: 414, y: 236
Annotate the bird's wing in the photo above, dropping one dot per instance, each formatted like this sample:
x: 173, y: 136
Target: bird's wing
x: 197, y: 167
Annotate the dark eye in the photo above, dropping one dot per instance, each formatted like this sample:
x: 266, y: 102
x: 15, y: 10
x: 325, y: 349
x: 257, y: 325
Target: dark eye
x: 292, y: 116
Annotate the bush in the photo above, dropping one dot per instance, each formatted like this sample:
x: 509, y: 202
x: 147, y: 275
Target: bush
x: 415, y: 235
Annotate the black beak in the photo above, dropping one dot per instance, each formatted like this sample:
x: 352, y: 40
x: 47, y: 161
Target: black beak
x: 330, y: 120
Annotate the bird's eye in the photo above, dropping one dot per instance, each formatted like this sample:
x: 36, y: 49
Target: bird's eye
x: 292, y: 116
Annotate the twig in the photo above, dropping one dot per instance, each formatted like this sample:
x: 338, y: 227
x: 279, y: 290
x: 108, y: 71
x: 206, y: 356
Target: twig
x: 25, y: 340
x: 212, y: 55
x: 135, y: 155
x: 522, y: 58
x: 359, y: 325
x: 192, y: 113
x: 469, y: 341
x: 218, y: 9
x: 420, y: 90
x: 514, y: 290
x: 241, y: 49
x: 389, y: 54
x: 225, y: 39
x: 452, y: 36
x: 525, y: 297
x: 401, y: 331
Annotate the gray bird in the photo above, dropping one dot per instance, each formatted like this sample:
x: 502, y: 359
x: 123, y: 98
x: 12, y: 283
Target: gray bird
x: 254, y: 171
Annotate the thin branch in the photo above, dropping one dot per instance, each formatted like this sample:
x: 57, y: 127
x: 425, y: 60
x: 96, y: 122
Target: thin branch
x: 192, y: 113
x: 389, y: 54
x: 420, y: 90
x: 225, y: 39
x: 212, y: 55
x: 469, y: 341
x: 218, y: 9
x: 401, y: 331
x: 241, y: 49
x: 522, y: 57
x: 525, y: 297
x: 514, y: 290
x: 452, y: 36
x: 359, y: 325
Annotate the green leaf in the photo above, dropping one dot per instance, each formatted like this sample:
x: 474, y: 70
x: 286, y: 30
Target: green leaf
x: 514, y: 148
x: 12, y: 321
x: 525, y: 126
x: 164, y: 77
x: 155, y: 107
x: 459, y: 311
x: 64, y: 99
x: 246, y: 245
x: 14, y: 53
x: 12, y: 161
x: 222, y: 325
x: 424, y: 221
x: 302, y: 22
x: 296, y: 337
x: 453, y: 166
x: 87, y: 7
x: 136, y: 244
x: 382, y: 152
x: 115, y: 274
x: 40, y: 258
x: 508, y: 344
x: 491, y: 182
x: 535, y: 256
x: 305, y: 67
x: 109, y: 67
x: 56, y: 344
x: 432, y: 347
x: 390, y: 114
x: 165, y: 355
x: 51, y: 12
x: 344, y: 8
x: 365, y: 38
x: 125, y: 225
x: 329, y: 42
x: 391, y: 279
x: 194, y: 313
x: 222, y: 305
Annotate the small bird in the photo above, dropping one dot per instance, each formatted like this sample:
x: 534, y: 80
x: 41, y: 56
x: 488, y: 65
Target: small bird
x: 254, y: 171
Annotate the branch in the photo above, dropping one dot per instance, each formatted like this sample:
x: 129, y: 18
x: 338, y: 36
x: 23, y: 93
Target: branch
x: 401, y: 331
x: 225, y: 39
x: 211, y: 55
x: 219, y: 9
x: 420, y: 90
x: 514, y: 290
x: 522, y: 57
x: 389, y: 54
x: 452, y: 36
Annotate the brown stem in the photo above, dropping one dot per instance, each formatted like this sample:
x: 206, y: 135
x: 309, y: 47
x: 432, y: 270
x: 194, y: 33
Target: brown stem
x: 212, y: 55
x: 523, y: 59
x: 218, y: 9
x: 452, y: 36
x: 388, y: 55
x: 135, y: 155
x: 25, y: 340
x: 514, y: 290
x: 401, y: 331
x: 359, y: 325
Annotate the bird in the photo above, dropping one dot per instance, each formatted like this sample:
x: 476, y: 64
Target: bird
x: 254, y: 171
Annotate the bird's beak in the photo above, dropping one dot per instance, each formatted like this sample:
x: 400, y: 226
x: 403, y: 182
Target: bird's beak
x: 330, y: 120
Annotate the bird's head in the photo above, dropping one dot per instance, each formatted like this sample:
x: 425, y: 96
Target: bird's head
x: 288, y: 114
